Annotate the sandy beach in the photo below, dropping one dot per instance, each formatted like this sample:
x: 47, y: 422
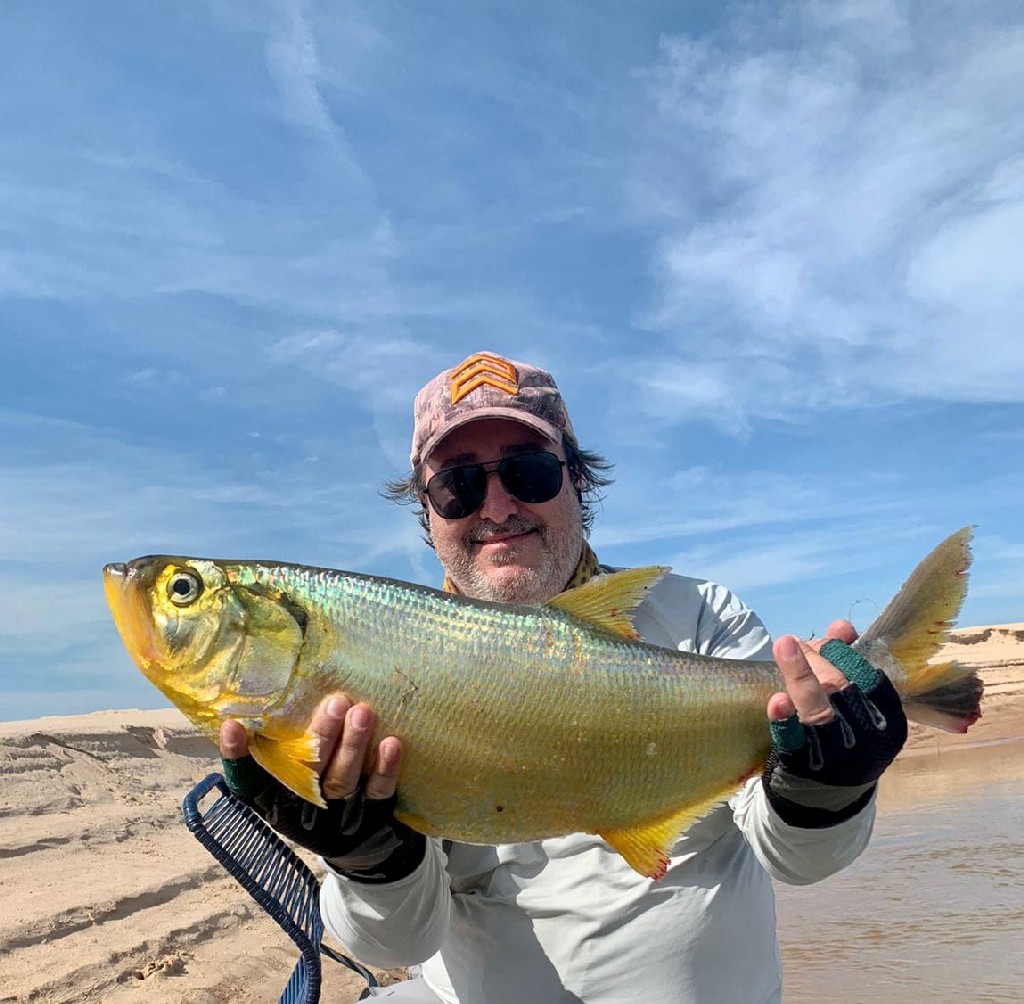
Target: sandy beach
x: 105, y: 896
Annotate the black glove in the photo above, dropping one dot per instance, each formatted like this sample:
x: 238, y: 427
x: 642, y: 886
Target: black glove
x: 357, y: 836
x: 820, y: 775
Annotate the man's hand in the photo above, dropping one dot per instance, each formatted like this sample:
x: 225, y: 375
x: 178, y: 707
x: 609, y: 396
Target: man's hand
x: 345, y: 731
x: 357, y: 833
x: 833, y: 732
x: 809, y: 677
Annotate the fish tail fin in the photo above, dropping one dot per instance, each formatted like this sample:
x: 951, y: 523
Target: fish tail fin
x: 911, y: 630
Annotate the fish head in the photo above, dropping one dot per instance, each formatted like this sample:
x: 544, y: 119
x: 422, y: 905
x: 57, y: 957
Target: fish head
x: 217, y: 646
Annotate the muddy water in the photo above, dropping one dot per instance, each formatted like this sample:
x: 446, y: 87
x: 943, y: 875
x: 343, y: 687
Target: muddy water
x: 934, y: 909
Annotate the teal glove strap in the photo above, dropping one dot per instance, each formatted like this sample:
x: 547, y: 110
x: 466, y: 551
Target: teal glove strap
x: 788, y: 735
x: 245, y: 777
x: 851, y: 664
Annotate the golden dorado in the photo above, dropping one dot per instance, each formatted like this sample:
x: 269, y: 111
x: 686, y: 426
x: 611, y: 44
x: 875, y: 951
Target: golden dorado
x: 517, y: 722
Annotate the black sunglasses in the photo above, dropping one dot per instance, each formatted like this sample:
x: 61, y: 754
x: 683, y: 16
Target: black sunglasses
x: 456, y: 492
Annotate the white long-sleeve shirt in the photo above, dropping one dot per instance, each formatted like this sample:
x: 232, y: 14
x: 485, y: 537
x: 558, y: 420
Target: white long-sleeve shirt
x: 566, y: 920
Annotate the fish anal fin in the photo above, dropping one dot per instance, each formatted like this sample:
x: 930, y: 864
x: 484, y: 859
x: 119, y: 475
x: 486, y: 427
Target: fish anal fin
x: 647, y: 846
x: 609, y: 600
x: 417, y: 823
x: 290, y: 758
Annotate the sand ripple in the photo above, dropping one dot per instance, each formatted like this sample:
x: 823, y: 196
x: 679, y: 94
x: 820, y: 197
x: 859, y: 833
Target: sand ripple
x: 104, y: 894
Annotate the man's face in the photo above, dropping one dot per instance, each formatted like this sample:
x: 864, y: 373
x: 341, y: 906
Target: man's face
x: 507, y: 550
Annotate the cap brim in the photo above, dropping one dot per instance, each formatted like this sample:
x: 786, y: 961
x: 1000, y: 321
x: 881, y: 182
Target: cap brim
x: 546, y: 429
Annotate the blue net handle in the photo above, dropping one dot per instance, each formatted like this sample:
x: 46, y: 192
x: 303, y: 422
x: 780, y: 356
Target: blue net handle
x: 273, y: 874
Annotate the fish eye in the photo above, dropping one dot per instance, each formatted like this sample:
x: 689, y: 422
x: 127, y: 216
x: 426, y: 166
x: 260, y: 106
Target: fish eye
x: 184, y: 588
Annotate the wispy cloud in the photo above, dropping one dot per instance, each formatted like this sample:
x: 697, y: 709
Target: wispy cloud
x: 697, y: 502
x: 844, y: 222
x: 293, y: 60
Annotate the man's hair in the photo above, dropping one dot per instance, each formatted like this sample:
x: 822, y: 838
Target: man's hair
x: 586, y: 474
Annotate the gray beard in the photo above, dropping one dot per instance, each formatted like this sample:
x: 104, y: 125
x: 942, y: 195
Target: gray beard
x: 530, y: 585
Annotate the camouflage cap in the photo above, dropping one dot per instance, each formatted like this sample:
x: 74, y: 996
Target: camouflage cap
x: 486, y: 385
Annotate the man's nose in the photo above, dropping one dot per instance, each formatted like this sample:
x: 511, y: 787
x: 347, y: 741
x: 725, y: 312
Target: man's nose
x: 498, y: 503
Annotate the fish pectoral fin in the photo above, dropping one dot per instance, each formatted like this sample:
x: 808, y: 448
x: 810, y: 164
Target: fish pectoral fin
x: 647, y: 847
x: 609, y: 600
x: 290, y: 759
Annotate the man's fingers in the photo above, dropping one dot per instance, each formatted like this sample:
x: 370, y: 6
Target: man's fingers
x: 341, y: 777
x: 234, y: 743
x: 780, y: 707
x: 344, y: 731
x: 805, y: 689
x: 828, y: 676
x: 844, y: 631
x: 381, y: 782
x: 327, y: 723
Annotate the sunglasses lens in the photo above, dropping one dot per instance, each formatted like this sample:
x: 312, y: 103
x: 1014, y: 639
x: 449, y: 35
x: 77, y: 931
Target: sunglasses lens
x: 457, y: 492
x: 532, y: 477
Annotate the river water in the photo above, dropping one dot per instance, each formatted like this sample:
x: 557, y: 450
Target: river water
x: 934, y: 908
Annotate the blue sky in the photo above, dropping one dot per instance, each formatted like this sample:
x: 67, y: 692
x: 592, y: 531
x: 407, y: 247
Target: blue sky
x: 772, y: 253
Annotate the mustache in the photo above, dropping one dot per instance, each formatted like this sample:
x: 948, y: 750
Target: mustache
x: 514, y: 524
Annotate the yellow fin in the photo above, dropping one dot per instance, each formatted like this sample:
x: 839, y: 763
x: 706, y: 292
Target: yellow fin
x: 646, y: 846
x: 914, y: 625
x: 609, y: 600
x: 417, y: 823
x: 912, y: 629
x: 290, y: 759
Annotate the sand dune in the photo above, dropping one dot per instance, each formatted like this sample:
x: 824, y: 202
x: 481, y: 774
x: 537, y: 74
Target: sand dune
x: 105, y: 896
x: 997, y: 652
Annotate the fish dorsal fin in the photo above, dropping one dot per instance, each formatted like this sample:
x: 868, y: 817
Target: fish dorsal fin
x: 290, y: 759
x: 647, y: 846
x: 609, y: 600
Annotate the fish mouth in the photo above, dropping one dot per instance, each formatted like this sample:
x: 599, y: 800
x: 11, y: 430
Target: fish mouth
x: 126, y: 598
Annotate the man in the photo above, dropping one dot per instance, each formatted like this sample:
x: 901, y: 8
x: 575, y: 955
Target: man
x: 504, y: 492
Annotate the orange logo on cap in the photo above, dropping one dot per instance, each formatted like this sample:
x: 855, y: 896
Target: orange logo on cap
x: 483, y: 370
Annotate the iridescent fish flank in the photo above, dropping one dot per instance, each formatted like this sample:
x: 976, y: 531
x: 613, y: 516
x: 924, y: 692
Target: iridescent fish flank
x: 510, y: 716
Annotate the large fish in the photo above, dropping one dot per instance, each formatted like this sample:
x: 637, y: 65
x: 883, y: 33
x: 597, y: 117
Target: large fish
x: 517, y: 722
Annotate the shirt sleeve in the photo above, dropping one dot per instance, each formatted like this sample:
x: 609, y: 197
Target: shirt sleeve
x: 792, y: 854
x: 390, y: 924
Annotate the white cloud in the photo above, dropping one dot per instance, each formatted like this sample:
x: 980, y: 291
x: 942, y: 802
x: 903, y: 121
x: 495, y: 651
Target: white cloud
x: 973, y: 263
x: 294, y: 63
x: 840, y: 220
x: 383, y: 372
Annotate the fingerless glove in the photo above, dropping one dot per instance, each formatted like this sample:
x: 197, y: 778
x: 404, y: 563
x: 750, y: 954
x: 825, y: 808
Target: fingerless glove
x: 358, y: 837
x: 820, y: 775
